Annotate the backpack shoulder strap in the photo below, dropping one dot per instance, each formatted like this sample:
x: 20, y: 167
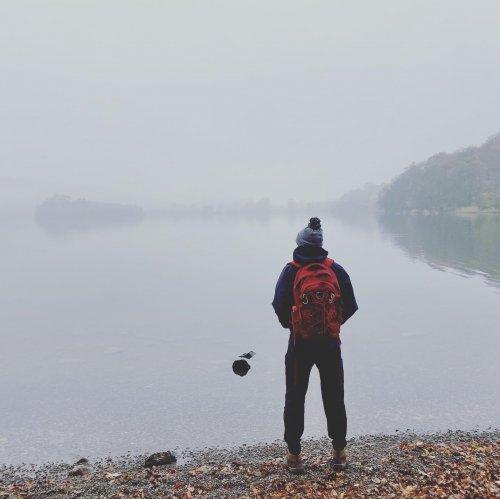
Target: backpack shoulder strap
x: 295, y: 264
x: 328, y: 261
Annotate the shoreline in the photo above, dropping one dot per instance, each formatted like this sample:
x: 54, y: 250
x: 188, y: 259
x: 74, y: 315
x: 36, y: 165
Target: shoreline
x: 404, y: 464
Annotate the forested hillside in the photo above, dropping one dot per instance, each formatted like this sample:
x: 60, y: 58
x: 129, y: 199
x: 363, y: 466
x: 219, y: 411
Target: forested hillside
x: 359, y: 200
x: 469, y: 178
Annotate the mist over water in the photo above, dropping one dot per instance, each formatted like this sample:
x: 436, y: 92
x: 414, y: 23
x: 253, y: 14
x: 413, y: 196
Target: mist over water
x: 122, y: 338
x: 156, y: 162
x: 186, y: 101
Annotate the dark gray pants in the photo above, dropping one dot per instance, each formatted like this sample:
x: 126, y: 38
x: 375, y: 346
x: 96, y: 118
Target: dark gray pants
x: 299, y: 361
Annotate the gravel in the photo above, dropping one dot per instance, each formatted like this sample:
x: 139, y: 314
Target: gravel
x: 379, y: 465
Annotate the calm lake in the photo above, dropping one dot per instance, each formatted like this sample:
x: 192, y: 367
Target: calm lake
x: 122, y: 338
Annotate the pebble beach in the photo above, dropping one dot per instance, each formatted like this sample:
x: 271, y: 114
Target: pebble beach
x: 452, y: 464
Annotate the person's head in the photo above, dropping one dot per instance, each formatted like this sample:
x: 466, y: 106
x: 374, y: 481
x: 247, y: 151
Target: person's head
x: 312, y: 235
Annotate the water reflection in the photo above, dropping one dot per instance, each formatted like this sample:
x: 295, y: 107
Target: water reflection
x: 469, y: 244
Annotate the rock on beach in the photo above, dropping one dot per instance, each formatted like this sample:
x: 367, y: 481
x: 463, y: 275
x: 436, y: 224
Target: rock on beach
x: 160, y: 459
x: 80, y: 470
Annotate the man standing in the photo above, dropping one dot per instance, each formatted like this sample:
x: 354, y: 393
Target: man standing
x: 313, y: 297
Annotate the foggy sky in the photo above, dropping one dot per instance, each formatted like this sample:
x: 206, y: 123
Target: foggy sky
x: 155, y: 101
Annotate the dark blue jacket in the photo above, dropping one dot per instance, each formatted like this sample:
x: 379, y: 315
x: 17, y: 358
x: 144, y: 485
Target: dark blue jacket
x: 283, y: 295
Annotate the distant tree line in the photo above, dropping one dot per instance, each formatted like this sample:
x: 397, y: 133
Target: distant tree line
x: 361, y: 200
x: 469, y: 178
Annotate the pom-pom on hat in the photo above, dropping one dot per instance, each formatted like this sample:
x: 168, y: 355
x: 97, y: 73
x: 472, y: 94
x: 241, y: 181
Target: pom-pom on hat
x: 312, y: 235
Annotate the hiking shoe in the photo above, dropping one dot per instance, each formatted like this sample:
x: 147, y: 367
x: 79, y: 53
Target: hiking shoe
x: 339, y: 460
x: 294, y: 464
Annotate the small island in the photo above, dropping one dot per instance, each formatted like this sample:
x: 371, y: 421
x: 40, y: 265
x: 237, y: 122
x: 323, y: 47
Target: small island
x: 61, y: 214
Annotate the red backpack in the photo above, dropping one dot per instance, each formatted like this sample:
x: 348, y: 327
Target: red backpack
x: 317, y: 310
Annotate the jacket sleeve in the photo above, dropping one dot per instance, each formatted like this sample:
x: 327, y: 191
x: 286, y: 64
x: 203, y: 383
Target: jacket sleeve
x: 283, y: 296
x: 349, y: 305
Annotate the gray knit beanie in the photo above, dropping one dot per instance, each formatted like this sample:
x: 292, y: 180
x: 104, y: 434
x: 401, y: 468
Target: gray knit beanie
x: 312, y: 235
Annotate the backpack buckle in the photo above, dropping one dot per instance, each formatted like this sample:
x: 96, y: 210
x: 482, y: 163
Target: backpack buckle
x: 305, y: 299
x: 331, y: 298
